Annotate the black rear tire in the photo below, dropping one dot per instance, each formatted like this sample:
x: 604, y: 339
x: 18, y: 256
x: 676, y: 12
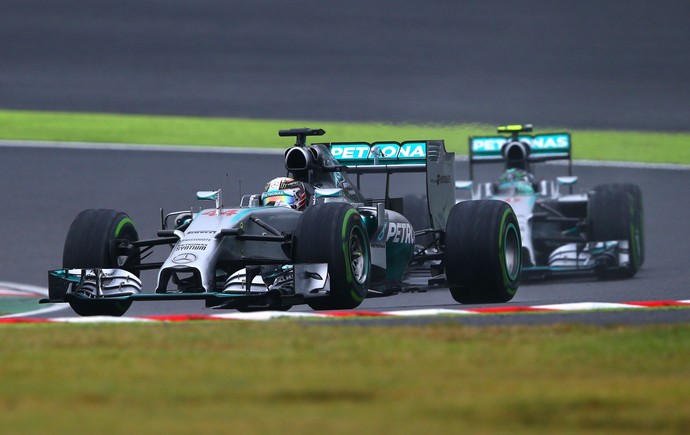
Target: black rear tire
x: 615, y: 213
x: 483, y: 252
x: 334, y: 233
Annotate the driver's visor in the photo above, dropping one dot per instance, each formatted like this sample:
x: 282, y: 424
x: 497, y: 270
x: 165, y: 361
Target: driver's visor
x: 274, y: 199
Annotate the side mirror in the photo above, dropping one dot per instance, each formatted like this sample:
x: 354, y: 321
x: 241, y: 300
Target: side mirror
x: 210, y: 195
x: 464, y: 185
x: 566, y: 181
x: 329, y: 195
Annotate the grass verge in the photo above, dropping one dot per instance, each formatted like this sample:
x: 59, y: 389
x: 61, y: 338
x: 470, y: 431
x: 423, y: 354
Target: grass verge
x: 651, y: 147
x: 293, y: 377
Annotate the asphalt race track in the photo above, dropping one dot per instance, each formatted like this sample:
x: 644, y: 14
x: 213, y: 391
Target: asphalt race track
x: 50, y: 186
x: 620, y: 64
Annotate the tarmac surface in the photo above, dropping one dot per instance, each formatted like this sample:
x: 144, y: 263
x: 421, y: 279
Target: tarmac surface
x: 51, y: 185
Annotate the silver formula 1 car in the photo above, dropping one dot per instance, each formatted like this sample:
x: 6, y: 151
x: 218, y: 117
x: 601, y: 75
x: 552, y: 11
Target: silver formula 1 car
x: 599, y: 231
x: 310, y: 237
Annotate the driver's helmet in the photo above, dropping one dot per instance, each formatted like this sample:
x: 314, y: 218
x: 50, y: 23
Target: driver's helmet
x: 513, y: 175
x: 285, y: 191
x: 518, y: 178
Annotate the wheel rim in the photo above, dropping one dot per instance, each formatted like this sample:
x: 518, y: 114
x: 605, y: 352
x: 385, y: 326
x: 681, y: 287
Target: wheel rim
x: 358, y: 256
x: 512, y: 251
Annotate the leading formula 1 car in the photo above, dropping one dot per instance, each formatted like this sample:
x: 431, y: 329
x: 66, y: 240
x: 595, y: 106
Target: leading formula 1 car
x: 310, y: 237
x: 599, y: 231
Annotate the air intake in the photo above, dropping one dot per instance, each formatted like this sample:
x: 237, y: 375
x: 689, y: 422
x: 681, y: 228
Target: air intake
x: 516, y: 151
x: 298, y: 159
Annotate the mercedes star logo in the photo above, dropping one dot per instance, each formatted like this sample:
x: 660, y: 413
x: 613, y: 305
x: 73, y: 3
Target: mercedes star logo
x: 185, y: 258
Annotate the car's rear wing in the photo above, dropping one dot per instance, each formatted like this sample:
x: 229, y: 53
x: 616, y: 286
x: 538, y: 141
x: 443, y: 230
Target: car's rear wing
x: 389, y: 157
x: 381, y: 157
x: 537, y: 148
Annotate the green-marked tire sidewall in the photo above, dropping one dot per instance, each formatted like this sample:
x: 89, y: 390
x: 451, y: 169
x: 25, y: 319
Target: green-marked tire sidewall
x: 354, y: 282
x: 480, y: 236
x: 324, y: 235
x: 510, y: 230
x: 89, y: 240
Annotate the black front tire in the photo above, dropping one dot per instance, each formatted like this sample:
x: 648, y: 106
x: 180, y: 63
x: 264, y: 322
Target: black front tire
x: 92, y: 242
x: 334, y: 233
x: 636, y: 194
x: 92, y: 238
x: 483, y: 252
x: 615, y: 213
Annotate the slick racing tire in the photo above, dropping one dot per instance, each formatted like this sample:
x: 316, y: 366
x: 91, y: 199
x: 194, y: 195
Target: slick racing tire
x: 636, y: 194
x: 483, y: 252
x: 334, y: 233
x: 615, y: 213
x: 92, y: 242
x: 92, y: 238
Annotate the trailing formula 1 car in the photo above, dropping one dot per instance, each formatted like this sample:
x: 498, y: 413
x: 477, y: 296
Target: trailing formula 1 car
x: 311, y: 237
x: 599, y: 231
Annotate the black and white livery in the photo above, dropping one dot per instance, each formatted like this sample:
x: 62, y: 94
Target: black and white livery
x: 599, y: 231
x: 310, y: 237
